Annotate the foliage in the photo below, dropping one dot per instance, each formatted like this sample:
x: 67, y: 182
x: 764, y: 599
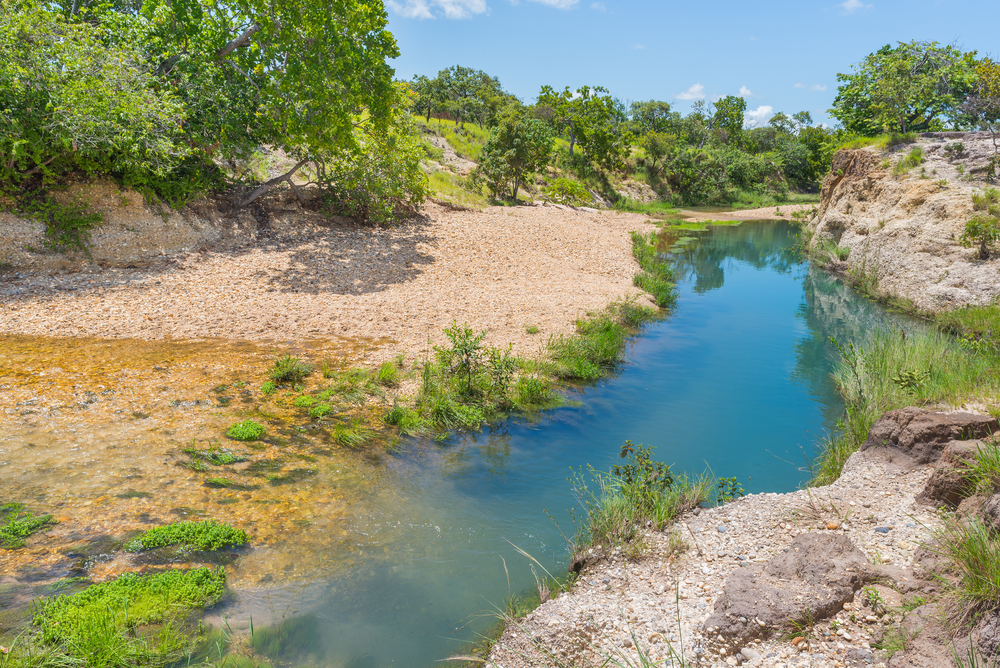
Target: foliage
x: 912, y: 159
x: 16, y: 528
x: 983, y: 103
x: 248, y: 430
x: 868, y: 377
x: 599, y: 342
x: 657, y: 277
x: 638, y: 496
x: 383, y: 182
x: 107, y: 625
x: 973, y: 551
x: 914, y: 87
x: 207, y: 535
x: 983, y: 229
x: 728, y: 489
x: 591, y: 118
x: 977, y: 326
x: 289, y: 369
x: 464, y: 356
x: 517, y: 147
x: 568, y: 192
x: 388, y: 374
x: 216, y: 456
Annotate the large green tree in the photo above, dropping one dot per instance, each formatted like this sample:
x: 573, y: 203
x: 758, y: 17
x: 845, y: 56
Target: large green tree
x: 517, y: 147
x: 913, y: 87
x: 591, y: 118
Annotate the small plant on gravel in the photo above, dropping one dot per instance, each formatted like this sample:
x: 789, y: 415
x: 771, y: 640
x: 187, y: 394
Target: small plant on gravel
x: 531, y: 329
x: 912, y: 159
x: 289, y: 369
x: 207, y: 536
x: 729, y: 489
x: 320, y: 411
x: 268, y: 388
x: 216, y: 456
x: 304, y: 401
x: 248, y: 430
x: 388, y: 374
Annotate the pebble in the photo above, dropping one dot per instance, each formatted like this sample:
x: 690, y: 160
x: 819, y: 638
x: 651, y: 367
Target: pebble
x: 721, y: 528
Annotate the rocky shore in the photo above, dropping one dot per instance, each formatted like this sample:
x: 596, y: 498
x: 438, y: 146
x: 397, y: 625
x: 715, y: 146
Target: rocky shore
x: 818, y: 577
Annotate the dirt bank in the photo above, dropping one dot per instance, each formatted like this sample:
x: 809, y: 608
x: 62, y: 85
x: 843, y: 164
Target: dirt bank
x: 500, y: 270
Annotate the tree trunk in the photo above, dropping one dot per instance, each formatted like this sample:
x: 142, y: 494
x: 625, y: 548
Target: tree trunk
x: 428, y: 113
x: 572, y: 140
x: 267, y: 185
x: 517, y: 183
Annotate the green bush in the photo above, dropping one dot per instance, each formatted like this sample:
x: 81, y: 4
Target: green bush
x: 207, y: 536
x: 248, y: 430
x: 568, y: 192
x: 983, y: 229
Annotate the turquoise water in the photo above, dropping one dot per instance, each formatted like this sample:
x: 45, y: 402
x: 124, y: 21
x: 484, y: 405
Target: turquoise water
x: 736, y: 379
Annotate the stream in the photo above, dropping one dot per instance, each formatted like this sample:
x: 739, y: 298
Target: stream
x: 403, y: 558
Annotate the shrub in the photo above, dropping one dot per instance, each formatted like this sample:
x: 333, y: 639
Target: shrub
x: 568, y: 192
x: 248, y: 430
x: 517, y: 147
x: 982, y: 230
x: 207, y: 536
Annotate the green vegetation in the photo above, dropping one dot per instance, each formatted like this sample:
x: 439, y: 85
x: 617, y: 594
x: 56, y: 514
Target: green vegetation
x: 568, y: 192
x: 599, y: 342
x: 912, y: 159
x: 978, y: 327
x: 983, y: 229
x: 517, y: 147
x: 288, y: 369
x: 972, y: 549
x: 131, y: 620
x: 657, y: 277
x: 632, y: 499
x: 216, y: 456
x: 207, y: 536
x: 16, y: 527
x: 161, y: 119
x: 388, y: 374
x: 248, y: 430
x: 893, y: 369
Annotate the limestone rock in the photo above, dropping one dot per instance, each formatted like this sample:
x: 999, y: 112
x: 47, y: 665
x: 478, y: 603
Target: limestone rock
x: 923, y: 434
x: 948, y: 483
x: 818, y: 574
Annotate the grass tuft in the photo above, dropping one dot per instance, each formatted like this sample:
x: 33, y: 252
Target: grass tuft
x: 16, y: 527
x: 289, y: 369
x: 248, y: 430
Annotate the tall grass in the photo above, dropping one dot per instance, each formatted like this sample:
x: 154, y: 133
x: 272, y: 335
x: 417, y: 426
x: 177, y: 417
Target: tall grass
x: 657, y: 277
x: 599, y: 343
x: 892, y: 369
x: 972, y: 548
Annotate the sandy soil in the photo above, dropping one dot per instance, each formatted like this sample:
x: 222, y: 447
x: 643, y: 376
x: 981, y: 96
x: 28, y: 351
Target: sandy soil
x: 782, y: 212
x: 499, y: 270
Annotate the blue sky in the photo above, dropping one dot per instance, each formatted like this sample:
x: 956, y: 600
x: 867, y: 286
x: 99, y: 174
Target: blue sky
x: 781, y: 56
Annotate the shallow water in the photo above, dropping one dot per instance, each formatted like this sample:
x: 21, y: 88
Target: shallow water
x: 399, y: 560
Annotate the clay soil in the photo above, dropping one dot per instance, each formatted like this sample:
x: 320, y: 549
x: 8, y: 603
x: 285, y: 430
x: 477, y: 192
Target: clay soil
x: 501, y: 270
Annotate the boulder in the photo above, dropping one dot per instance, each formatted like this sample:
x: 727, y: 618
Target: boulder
x: 948, y: 484
x: 819, y: 573
x: 991, y: 512
x: 922, y: 435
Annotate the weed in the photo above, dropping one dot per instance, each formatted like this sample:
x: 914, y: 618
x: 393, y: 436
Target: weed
x: 351, y: 436
x: 107, y: 625
x: 320, y: 411
x: 657, y: 277
x: 207, y: 536
x: 973, y: 550
x: 289, y: 369
x: 16, y: 528
x: 406, y: 419
x: 304, y: 401
x: 531, y: 329
x: 895, y: 639
x: 912, y: 159
x: 268, y: 388
x: 464, y: 356
x: 248, y: 430
x: 291, y: 476
x: 532, y: 392
x: 388, y: 374
x: 729, y: 489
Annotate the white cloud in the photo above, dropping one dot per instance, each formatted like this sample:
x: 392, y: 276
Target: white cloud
x: 745, y: 92
x: 639, y: 47
x: 429, y: 9
x: 851, y: 6
x: 598, y: 7
x: 816, y: 87
x: 759, y: 116
x: 558, y: 4
x: 695, y: 92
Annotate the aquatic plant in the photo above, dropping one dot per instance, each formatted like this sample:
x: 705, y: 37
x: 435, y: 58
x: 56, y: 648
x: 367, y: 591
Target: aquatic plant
x: 287, y: 639
x: 228, y: 484
x: 16, y: 528
x: 216, y: 456
x: 388, y: 374
x: 248, y: 430
x: 206, y: 535
x: 107, y: 624
x: 292, y: 476
x: 531, y: 392
x: 322, y: 410
x: 268, y: 388
x: 406, y: 419
x: 657, y: 276
x: 304, y: 401
x: 289, y: 369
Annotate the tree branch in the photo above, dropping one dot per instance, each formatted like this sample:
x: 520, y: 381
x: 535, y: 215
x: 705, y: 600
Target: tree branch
x: 267, y: 185
x: 38, y: 168
x: 242, y: 40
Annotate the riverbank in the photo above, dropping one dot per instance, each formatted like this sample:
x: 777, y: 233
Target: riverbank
x: 505, y: 270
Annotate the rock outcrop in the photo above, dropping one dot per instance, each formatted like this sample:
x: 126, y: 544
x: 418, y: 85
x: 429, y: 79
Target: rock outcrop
x: 922, y: 435
x: 903, y: 230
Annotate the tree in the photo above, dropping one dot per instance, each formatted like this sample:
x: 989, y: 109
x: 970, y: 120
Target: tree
x: 983, y: 105
x: 652, y: 116
x: 729, y: 117
x: 517, y: 147
x: 914, y: 87
x: 593, y: 120
x: 429, y: 95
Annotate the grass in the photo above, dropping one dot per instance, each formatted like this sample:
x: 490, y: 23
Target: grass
x: 973, y: 551
x: 131, y: 620
x: 407, y: 420
x: 17, y: 527
x: 452, y: 189
x: 248, y: 430
x: 881, y: 142
x: 654, y: 208
x: 892, y: 369
x: 215, y: 456
x: 657, y: 277
x: 388, y: 374
x: 978, y: 326
x: 599, y: 343
x: 913, y: 159
x: 206, y: 536
x: 288, y: 369
x: 984, y: 471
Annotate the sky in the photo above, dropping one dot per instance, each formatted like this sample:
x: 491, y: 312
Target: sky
x: 780, y: 56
